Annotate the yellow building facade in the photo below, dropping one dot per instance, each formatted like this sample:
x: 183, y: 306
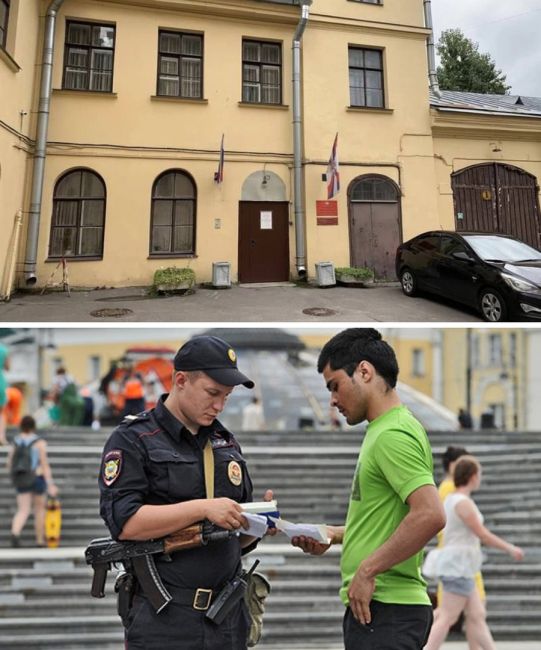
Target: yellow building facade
x: 144, y: 92
x: 491, y: 372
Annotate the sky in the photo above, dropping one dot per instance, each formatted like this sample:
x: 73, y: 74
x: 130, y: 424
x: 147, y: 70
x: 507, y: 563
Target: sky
x: 509, y: 31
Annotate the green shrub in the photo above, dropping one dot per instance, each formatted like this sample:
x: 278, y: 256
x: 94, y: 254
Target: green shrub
x: 358, y: 272
x: 172, y: 276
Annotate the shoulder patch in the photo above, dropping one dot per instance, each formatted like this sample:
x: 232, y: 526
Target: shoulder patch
x: 131, y: 419
x: 219, y: 443
x: 112, y: 464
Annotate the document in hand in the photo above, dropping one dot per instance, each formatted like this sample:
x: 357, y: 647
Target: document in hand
x: 315, y: 531
x: 267, y: 509
x: 257, y: 525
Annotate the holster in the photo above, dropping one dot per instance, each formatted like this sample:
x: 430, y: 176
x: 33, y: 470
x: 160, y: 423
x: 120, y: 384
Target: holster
x: 125, y: 588
x: 257, y: 590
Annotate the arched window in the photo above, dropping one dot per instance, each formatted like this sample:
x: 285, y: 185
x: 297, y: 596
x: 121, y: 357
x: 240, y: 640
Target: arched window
x: 77, y: 226
x: 173, y: 214
x: 374, y: 189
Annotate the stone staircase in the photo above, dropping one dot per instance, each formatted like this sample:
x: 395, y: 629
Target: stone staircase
x: 44, y: 593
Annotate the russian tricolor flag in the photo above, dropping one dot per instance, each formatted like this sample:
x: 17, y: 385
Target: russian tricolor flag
x: 219, y: 175
x: 333, y: 174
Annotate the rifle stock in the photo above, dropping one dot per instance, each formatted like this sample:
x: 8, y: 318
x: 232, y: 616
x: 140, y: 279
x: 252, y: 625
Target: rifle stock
x: 183, y: 539
x: 137, y: 558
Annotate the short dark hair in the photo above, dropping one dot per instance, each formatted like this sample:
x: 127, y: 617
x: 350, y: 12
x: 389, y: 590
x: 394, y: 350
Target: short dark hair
x: 348, y: 348
x: 28, y: 424
x: 450, y: 455
x: 466, y: 467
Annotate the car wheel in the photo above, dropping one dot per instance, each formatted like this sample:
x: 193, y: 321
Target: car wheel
x: 408, y: 282
x: 492, y: 305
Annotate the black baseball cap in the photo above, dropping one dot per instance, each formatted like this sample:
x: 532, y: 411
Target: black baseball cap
x: 215, y: 357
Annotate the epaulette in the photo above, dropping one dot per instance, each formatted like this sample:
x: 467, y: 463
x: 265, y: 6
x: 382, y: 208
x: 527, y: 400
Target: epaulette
x: 132, y: 419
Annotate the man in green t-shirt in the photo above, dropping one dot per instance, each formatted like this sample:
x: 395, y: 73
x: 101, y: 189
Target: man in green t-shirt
x: 394, y: 509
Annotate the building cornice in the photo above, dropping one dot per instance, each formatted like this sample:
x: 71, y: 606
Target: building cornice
x: 485, y: 126
x: 326, y: 21
x: 276, y: 13
x: 231, y: 9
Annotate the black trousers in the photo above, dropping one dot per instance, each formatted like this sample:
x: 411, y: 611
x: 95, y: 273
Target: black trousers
x: 180, y: 627
x: 393, y: 627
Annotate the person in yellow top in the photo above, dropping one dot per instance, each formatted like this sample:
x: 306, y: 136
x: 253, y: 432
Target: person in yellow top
x: 445, y: 488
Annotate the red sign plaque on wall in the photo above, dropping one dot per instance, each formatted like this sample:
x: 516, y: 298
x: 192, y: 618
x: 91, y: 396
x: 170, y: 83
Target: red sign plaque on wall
x: 327, y: 213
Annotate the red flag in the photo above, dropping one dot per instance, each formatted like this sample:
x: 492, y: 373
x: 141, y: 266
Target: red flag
x: 219, y: 175
x: 333, y: 174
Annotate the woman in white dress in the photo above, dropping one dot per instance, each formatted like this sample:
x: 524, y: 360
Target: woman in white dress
x: 461, y: 557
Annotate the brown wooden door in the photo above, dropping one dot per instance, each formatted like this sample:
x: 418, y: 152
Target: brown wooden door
x: 499, y: 198
x: 375, y: 236
x: 263, y: 241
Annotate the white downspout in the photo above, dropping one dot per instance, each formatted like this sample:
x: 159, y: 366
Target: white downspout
x: 300, y: 258
x: 38, y: 169
x: 430, y: 47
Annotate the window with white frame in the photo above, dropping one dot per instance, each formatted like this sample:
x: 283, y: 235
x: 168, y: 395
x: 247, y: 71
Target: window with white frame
x: 94, y: 367
x: 495, y: 350
x: 180, y: 66
x: 88, y: 56
x: 261, y: 72
x: 418, y: 362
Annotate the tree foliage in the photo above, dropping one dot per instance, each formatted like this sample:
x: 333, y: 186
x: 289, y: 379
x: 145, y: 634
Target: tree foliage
x: 466, y: 69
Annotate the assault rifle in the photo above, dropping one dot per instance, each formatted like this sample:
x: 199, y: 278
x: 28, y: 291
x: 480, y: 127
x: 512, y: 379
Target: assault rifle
x: 137, y: 558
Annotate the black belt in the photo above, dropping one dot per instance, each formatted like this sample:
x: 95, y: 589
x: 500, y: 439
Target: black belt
x: 200, y: 598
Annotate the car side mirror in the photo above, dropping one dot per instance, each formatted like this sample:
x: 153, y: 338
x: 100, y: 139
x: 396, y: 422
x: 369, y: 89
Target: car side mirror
x: 462, y: 256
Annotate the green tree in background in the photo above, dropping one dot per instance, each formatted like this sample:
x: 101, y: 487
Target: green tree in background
x: 466, y: 69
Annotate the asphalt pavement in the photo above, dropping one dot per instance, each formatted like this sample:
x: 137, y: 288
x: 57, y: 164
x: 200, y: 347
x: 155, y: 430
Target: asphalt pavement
x: 240, y: 303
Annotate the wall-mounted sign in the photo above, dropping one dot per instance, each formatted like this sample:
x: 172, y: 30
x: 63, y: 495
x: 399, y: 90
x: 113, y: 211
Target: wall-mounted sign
x: 460, y: 215
x: 265, y: 220
x: 487, y: 195
x: 326, y: 208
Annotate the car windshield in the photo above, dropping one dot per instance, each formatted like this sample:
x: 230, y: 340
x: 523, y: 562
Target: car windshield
x: 493, y: 247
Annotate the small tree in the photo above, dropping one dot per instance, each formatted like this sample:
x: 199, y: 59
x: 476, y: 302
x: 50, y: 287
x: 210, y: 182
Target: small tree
x: 464, y: 68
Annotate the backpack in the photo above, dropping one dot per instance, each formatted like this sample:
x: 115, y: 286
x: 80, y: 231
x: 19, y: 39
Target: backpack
x: 22, y: 473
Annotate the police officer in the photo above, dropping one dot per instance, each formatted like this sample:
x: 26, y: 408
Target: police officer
x: 152, y: 483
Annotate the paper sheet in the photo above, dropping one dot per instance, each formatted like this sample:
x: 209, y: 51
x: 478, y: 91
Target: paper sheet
x: 315, y: 531
x: 258, y: 525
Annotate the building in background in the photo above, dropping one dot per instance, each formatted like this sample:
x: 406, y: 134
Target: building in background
x: 172, y: 135
x: 493, y: 373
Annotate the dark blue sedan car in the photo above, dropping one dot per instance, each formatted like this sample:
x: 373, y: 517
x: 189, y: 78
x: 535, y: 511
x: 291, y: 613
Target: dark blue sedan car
x: 497, y: 274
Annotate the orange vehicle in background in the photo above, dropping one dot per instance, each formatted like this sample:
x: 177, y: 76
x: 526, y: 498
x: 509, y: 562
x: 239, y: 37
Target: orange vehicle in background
x: 153, y: 366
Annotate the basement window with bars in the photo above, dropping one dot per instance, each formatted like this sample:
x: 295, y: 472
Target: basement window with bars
x: 366, y: 78
x: 88, y: 57
x: 173, y: 214
x: 77, y: 226
x: 4, y: 19
x: 180, y: 65
x: 261, y: 72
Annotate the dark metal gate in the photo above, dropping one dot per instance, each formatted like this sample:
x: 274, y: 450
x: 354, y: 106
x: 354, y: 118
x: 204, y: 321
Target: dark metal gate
x: 500, y: 198
x: 374, y: 224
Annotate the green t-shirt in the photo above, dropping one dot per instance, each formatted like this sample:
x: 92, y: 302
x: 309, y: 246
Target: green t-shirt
x: 395, y: 459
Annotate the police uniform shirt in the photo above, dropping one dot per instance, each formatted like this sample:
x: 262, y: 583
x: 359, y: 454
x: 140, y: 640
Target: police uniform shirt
x: 153, y: 459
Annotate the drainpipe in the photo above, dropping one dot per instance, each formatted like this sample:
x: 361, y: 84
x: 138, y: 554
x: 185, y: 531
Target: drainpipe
x: 300, y: 259
x: 432, y: 75
x: 38, y: 169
